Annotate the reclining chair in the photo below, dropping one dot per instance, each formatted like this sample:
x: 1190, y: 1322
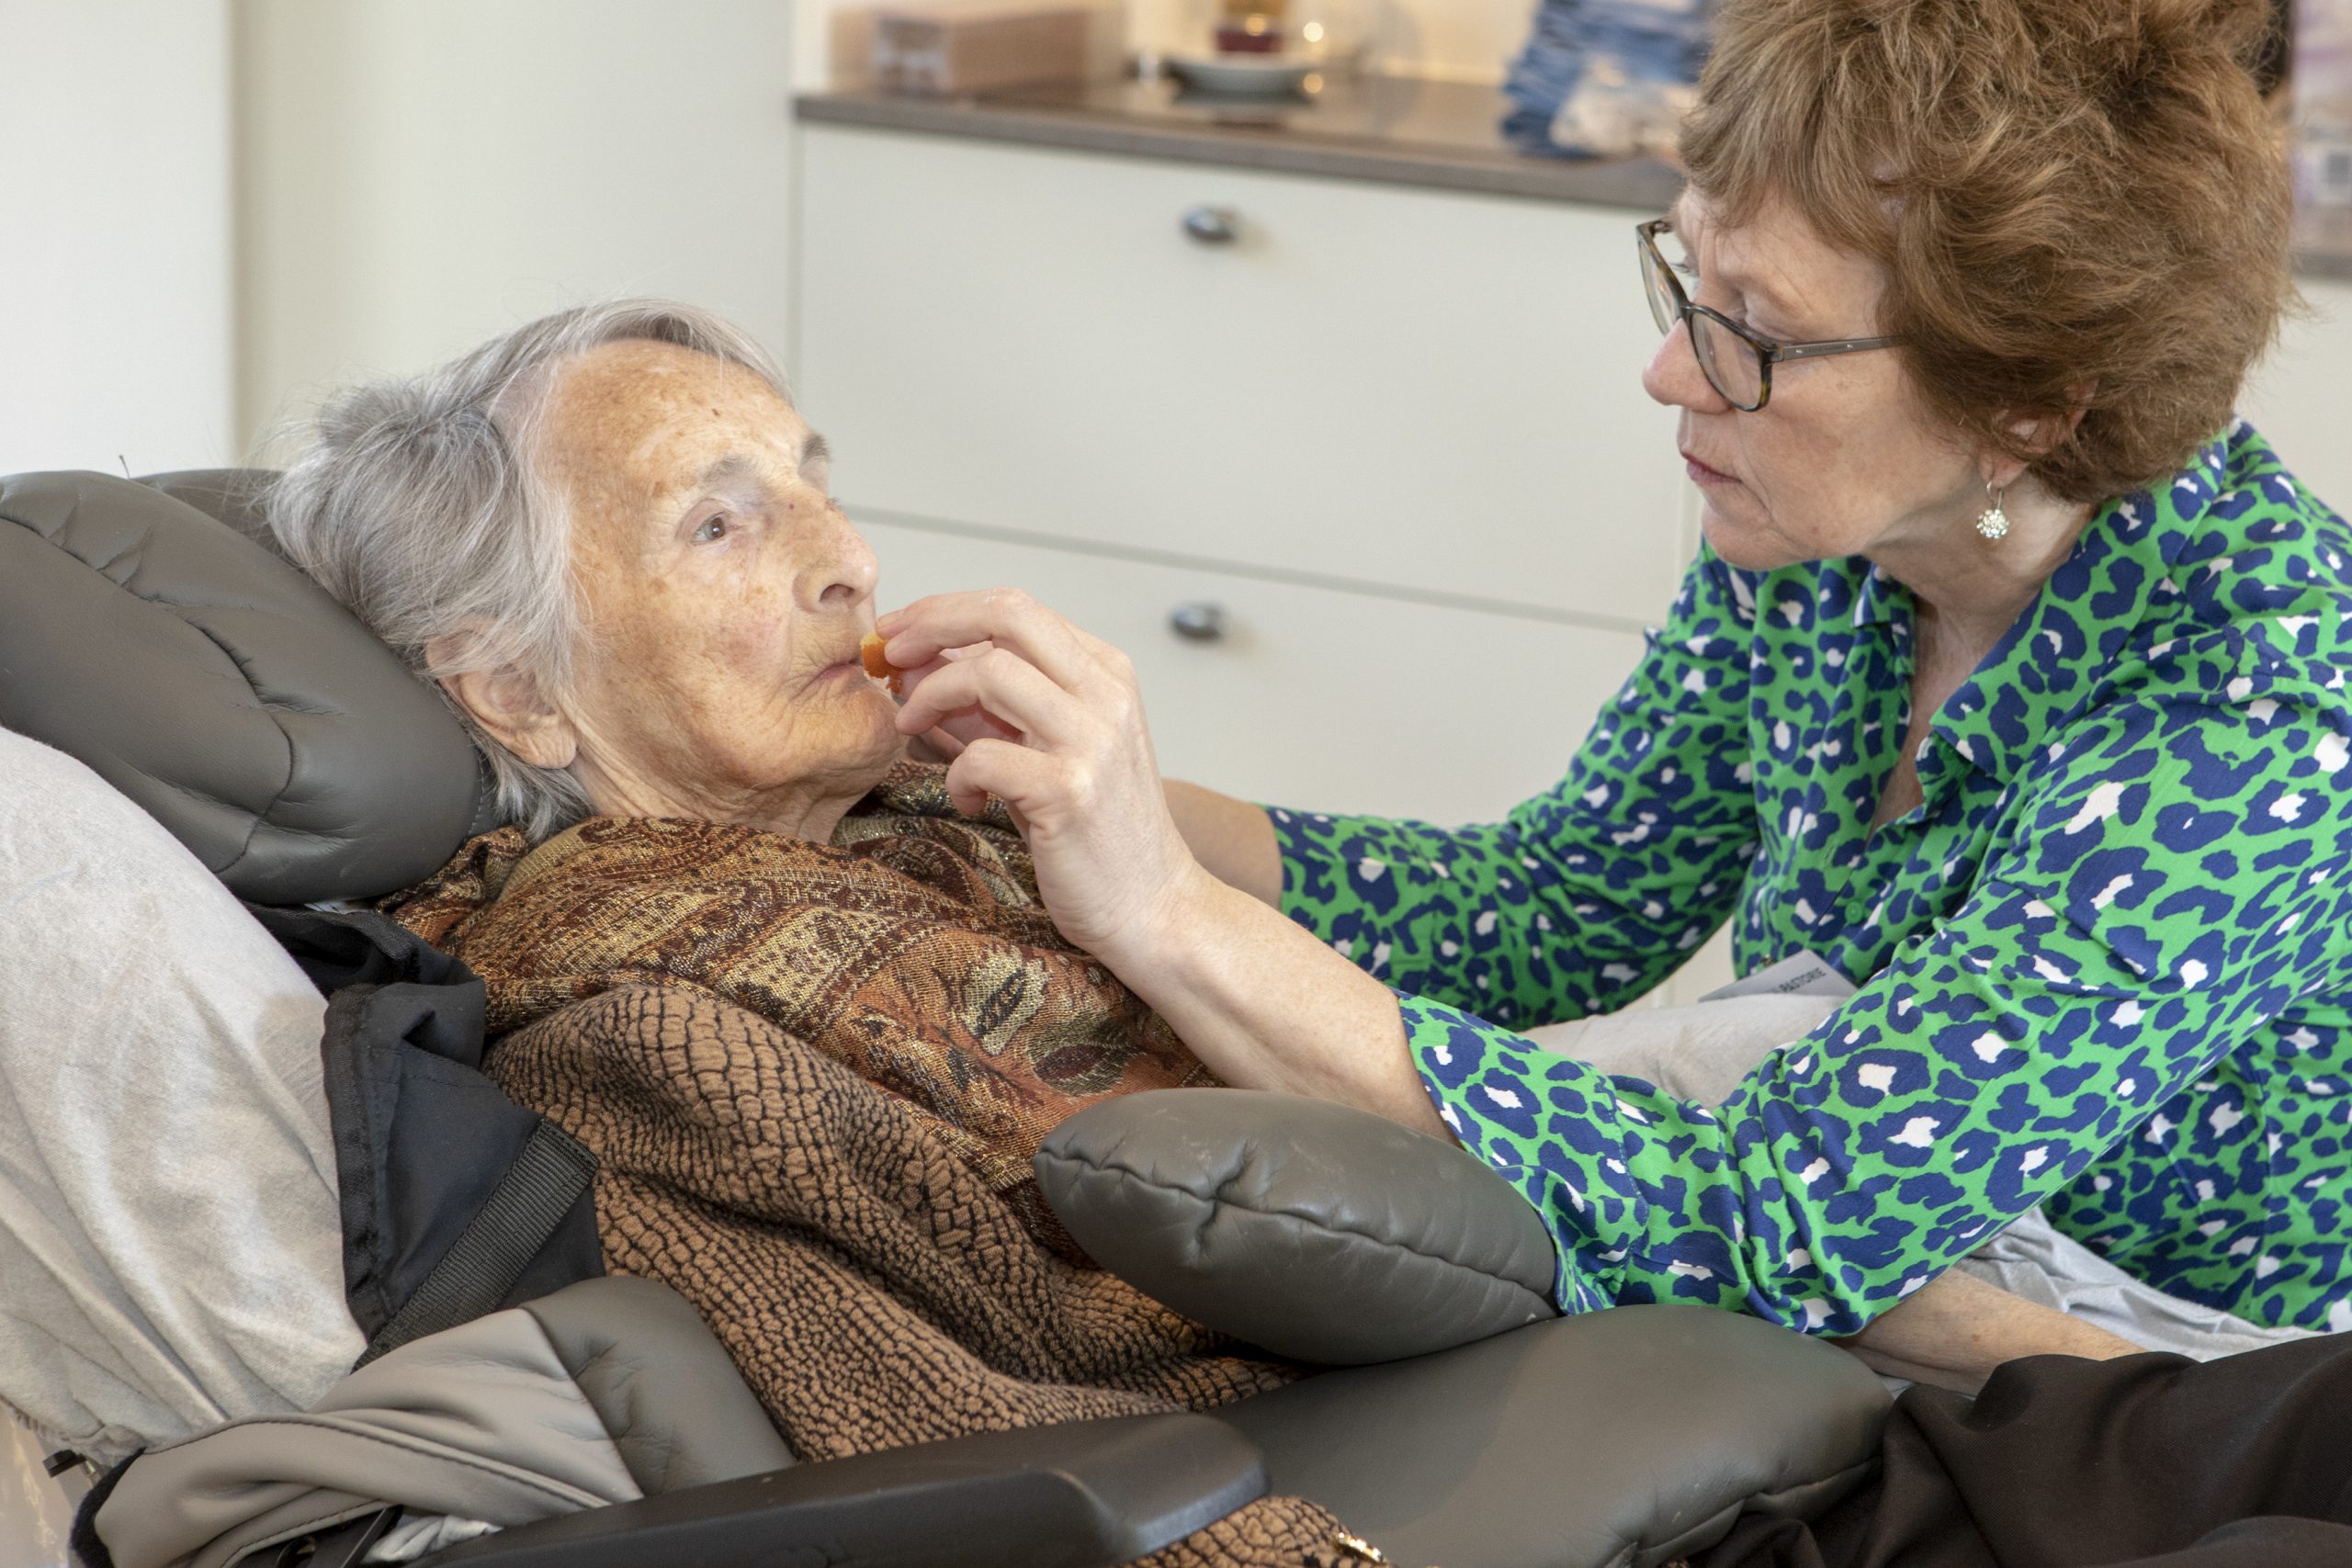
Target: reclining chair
x: 150, y: 629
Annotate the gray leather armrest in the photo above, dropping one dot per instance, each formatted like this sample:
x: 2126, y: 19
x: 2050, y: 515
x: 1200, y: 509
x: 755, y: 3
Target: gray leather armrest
x: 1087, y: 1494
x: 1320, y: 1232
x: 1623, y: 1438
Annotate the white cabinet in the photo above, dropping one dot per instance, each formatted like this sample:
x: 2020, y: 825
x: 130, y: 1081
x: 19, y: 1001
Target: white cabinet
x: 1400, y: 387
x: 1391, y: 441
x: 1311, y: 696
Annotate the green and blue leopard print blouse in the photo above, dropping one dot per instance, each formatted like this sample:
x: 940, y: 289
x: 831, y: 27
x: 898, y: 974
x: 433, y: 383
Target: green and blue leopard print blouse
x: 2105, y: 965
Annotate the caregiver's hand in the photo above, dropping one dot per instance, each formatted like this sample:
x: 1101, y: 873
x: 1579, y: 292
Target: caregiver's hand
x: 1048, y: 718
x: 1257, y: 997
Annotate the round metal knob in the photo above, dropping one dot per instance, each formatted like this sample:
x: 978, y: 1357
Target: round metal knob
x: 1202, y: 622
x: 1213, y: 225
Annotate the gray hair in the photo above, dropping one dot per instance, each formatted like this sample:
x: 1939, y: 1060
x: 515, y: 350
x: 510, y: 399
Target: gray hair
x: 417, y: 506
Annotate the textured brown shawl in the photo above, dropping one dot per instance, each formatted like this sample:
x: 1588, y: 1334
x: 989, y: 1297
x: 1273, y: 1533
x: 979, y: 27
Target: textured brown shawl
x: 870, y: 1287
x: 735, y: 1025
x: 914, y: 949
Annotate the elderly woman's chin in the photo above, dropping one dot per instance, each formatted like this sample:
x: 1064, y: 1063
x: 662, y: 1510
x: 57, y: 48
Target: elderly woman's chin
x: 867, y: 726
x: 835, y: 739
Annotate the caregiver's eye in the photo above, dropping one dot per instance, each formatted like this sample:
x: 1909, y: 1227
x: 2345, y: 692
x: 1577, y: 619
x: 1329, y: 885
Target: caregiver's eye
x: 712, y: 530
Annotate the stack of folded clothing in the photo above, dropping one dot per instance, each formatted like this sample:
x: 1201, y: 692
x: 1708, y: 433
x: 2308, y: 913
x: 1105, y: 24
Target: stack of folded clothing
x: 1606, y: 77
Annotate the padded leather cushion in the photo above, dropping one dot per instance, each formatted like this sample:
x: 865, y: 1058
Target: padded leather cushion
x: 234, y: 496
x: 1624, y: 1439
x: 675, y: 1406
x: 225, y: 693
x: 1322, y: 1232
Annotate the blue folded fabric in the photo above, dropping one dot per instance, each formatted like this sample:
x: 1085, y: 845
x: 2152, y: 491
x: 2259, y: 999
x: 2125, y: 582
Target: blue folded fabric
x: 1648, y: 40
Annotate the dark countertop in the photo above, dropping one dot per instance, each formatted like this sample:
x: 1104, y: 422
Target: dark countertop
x: 1396, y: 130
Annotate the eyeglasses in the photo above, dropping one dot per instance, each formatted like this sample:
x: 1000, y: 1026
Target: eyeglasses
x: 1737, y: 360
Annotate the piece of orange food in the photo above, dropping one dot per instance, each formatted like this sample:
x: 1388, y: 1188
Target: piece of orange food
x: 878, y: 663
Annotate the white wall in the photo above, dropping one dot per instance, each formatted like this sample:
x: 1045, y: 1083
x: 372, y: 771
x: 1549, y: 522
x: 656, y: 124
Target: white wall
x: 1469, y: 41
x: 418, y: 174
x: 2299, y: 397
x: 115, y: 275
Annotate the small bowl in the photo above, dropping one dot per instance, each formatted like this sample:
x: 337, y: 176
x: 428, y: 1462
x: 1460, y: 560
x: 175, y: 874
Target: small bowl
x: 1246, y: 75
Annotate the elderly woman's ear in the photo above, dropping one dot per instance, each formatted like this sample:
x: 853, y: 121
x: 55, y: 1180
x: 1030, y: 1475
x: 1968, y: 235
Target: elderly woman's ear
x: 511, y: 707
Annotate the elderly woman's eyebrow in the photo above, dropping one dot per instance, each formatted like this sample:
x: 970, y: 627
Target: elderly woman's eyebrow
x: 735, y: 472
x: 815, y: 449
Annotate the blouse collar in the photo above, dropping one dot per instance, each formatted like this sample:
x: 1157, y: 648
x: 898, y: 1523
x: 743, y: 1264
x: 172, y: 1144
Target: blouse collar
x: 2086, y: 615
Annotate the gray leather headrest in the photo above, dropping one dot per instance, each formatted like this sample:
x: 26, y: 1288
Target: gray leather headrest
x: 223, y: 691
x: 235, y: 496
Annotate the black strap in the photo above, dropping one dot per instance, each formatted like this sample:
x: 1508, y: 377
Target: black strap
x: 522, y: 1212
x: 341, y: 1546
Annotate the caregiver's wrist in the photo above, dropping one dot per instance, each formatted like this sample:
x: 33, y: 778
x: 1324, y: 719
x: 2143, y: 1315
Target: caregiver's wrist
x: 1172, y: 938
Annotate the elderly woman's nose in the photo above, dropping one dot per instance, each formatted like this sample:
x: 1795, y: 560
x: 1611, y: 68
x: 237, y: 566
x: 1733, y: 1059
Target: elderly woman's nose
x: 841, y: 570
x: 1673, y: 377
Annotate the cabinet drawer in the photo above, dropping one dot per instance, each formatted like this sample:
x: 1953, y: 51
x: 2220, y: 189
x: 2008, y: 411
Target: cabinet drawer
x: 1312, y: 697
x: 1406, y: 387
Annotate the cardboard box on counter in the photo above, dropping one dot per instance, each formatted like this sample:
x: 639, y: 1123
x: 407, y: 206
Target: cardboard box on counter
x: 942, y: 48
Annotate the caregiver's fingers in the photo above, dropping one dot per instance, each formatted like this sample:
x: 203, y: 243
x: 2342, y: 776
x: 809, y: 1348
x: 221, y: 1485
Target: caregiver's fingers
x: 1002, y: 686
x: 934, y: 746
x: 944, y: 741
x: 1006, y: 617
x: 1031, y: 782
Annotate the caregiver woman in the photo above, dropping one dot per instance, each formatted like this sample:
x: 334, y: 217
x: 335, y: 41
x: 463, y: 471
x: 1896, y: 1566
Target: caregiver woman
x: 2012, y: 681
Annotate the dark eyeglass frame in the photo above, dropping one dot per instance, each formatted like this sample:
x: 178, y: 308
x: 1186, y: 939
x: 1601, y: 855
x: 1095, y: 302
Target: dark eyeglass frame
x: 1768, y: 352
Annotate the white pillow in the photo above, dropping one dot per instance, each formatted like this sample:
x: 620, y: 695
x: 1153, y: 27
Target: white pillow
x: 170, y: 1245
x: 1701, y: 1052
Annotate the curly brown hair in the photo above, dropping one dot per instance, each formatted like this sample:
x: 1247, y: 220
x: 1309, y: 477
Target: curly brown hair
x: 2079, y: 204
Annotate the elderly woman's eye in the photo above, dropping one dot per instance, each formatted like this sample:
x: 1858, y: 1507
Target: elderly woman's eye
x: 713, y: 529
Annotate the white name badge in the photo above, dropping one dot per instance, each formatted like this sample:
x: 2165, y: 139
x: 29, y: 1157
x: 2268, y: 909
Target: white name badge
x: 1799, y: 974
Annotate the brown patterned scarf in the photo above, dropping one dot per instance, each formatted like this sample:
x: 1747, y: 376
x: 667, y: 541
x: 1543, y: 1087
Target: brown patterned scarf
x: 914, y: 949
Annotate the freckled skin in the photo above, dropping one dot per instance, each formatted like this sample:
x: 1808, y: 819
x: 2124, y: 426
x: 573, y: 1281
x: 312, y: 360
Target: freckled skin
x: 716, y: 615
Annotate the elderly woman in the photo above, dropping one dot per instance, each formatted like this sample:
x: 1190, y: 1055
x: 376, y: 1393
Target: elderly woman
x: 608, y: 537
x: 2011, y: 682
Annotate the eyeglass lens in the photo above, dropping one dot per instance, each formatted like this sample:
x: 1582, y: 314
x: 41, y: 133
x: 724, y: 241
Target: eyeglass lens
x: 1731, y: 362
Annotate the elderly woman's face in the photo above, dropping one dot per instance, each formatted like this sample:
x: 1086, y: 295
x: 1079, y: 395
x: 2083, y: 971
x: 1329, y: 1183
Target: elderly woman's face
x: 724, y: 592
x: 1841, y: 460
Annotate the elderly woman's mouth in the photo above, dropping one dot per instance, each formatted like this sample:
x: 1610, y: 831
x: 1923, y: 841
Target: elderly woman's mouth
x: 848, y: 669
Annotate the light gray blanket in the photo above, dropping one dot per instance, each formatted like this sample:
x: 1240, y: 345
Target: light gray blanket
x: 171, y: 1244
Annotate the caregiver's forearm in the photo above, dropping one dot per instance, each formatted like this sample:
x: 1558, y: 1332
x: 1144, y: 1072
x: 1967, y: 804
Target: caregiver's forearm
x: 1953, y: 1331
x: 1267, y: 1006
x: 1232, y: 838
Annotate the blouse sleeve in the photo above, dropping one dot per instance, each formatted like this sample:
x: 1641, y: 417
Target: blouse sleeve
x: 2169, y: 878
x: 1586, y: 896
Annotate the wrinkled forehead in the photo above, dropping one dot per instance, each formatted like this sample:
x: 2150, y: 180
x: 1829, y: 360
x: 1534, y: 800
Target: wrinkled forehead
x: 1764, y: 225
x: 638, y: 420
x: 1769, y: 246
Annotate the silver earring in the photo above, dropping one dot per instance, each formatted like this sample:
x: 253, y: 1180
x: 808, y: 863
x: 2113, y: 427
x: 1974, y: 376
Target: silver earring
x: 1992, y: 523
